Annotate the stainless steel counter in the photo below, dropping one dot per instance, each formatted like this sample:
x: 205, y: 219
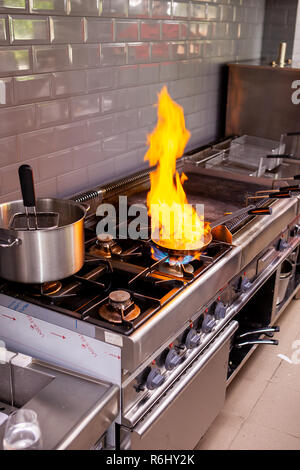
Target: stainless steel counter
x: 74, y: 411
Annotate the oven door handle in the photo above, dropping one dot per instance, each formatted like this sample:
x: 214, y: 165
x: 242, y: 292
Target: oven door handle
x: 145, y: 423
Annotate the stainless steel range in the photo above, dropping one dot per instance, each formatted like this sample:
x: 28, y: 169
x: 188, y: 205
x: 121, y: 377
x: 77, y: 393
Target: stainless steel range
x: 180, y: 331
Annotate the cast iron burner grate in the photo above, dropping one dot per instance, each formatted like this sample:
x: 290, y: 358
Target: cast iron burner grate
x: 131, y: 268
x: 82, y: 295
x: 144, y: 254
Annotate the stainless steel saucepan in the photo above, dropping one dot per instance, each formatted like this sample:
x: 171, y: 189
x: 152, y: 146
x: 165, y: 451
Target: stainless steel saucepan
x: 50, y: 248
x: 43, y: 255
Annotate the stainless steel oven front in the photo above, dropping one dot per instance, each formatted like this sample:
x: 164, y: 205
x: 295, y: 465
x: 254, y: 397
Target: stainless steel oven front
x: 184, y: 412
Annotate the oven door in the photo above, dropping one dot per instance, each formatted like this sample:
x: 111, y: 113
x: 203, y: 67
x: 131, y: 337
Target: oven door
x: 185, y: 412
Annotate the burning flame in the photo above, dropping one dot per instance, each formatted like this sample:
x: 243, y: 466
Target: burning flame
x: 175, y: 223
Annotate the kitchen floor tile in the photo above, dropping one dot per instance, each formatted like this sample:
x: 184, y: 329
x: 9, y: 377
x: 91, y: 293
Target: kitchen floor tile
x: 279, y: 409
x: 242, y: 395
x: 262, y: 365
x: 262, y: 409
x: 253, y: 436
x: 292, y: 309
x: 221, y: 433
x: 290, y: 318
x: 289, y: 374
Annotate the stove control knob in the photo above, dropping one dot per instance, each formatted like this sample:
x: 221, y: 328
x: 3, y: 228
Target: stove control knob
x: 208, y: 324
x: 282, y: 244
x: 172, y: 359
x: 245, y: 284
x: 155, y: 379
x: 192, y: 339
x: 220, y: 311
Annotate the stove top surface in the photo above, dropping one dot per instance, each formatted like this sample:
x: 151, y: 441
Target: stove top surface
x: 124, y: 266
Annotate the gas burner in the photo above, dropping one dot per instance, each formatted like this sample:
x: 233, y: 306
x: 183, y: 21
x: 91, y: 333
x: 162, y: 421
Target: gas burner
x: 48, y: 288
x: 51, y: 288
x: 120, y: 307
x: 178, y: 266
x: 172, y: 260
x: 105, y: 246
x: 173, y: 267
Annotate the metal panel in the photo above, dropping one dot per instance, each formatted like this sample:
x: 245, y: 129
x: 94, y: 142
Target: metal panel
x: 73, y: 349
x: 67, y: 421
x: 174, y: 425
x: 255, y: 236
x: 259, y: 101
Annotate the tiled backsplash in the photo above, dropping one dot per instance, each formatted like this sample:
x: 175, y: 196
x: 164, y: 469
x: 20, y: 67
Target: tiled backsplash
x: 296, y: 51
x: 280, y: 19
x: 79, y: 78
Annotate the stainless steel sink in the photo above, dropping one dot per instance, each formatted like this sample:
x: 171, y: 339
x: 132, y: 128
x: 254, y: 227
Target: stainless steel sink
x: 74, y: 411
x: 18, y: 385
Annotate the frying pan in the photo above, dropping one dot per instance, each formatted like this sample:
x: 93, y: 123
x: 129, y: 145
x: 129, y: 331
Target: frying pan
x: 218, y: 231
x: 191, y: 249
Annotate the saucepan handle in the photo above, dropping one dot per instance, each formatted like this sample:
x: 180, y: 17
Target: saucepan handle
x: 280, y: 195
x: 86, y: 207
x: 295, y: 187
x: 260, y: 211
x: 7, y: 240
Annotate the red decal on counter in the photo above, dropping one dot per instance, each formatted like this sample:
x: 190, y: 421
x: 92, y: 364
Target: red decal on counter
x: 7, y: 316
x: 86, y: 346
x: 35, y: 327
x: 114, y: 355
x: 61, y: 336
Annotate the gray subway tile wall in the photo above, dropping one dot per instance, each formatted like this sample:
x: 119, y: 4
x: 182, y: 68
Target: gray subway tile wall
x: 79, y: 80
x: 296, y: 50
x: 280, y: 23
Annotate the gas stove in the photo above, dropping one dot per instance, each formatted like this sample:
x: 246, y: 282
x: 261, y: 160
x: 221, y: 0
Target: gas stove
x: 147, y: 278
x: 173, y: 320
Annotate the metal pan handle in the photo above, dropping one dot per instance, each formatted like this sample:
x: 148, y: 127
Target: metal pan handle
x: 7, y: 240
x: 295, y: 187
x: 280, y: 195
x: 86, y: 207
x: 261, y: 211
